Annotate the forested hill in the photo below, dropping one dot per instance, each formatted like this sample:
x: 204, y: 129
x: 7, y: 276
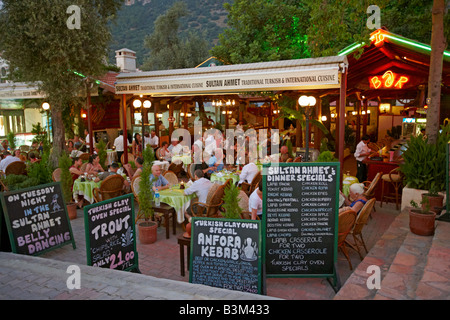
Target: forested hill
x: 136, y: 18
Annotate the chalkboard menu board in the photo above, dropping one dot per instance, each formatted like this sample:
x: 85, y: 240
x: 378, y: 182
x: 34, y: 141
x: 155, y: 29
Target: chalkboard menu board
x: 300, y: 203
x: 36, y: 219
x: 110, y: 234
x: 226, y: 254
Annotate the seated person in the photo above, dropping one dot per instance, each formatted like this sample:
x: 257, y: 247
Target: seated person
x: 357, y: 195
x: 255, y: 204
x: 94, y: 167
x: 113, y: 169
x: 75, y: 168
x: 164, y: 152
x: 215, y: 163
x: 139, y: 162
x: 284, y: 154
x: 157, y: 179
x: 200, y: 187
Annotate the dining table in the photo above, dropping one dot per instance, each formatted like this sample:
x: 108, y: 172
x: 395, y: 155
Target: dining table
x: 222, y: 176
x: 175, y: 197
x: 85, y: 188
x: 185, y: 159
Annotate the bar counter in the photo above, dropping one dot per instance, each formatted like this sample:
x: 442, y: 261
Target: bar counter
x: 385, y: 166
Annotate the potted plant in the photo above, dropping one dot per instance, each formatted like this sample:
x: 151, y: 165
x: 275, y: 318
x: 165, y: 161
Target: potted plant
x: 66, y: 185
x: 424, y: 166
x: 421, y: 219
x: 231, y: 208
x: 434, y: 200
x: 147, y: 229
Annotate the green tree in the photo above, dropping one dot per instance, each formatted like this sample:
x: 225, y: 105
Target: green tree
x: 167, y: 49
x: 41, y: 45
x: 263, y: 30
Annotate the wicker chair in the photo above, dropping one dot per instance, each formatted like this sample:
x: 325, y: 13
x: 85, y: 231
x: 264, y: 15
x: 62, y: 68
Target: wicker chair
x: 16, y: 167
x: 130, y: 158
x: 289, y: 160
x: 171, y: 177
x: 361, y: 221
x: 176, y: 168
x: 345, y: 226
x: 210, y: 209
x: 370, y: 187
x: 249, y: 188
x: 246, y: 215
x: 56, y: 175
x: 110, y: 188
x: 158, y: 154
x: 135, y: 187
x: 298, y: 159
x: 190, y: 171
x: 24, y: 148
x: 85, y: 156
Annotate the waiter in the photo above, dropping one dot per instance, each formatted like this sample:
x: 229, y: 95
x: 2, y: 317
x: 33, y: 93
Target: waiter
x: 361, y: 153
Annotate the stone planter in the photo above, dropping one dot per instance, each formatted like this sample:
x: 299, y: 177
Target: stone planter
x: 409, y: 194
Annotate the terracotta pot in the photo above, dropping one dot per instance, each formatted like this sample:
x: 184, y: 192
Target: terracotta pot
x: 433, y: 201
x: 420, y: 223
x: 71, y: 210
x: 187, y: 234
x: 147, y: 232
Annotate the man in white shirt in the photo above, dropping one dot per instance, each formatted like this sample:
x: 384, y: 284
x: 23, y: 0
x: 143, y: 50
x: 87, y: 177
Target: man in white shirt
x: 362, y: 152
x: 200, y: 187
x: 87, y: 141
x: 118, y: 143
x: 154, y: 140
x: 249, y: 171
x: 8, y: 159
x: 255, y: 205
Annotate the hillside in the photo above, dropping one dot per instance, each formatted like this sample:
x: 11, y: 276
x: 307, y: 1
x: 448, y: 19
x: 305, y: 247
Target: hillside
x: 136, y: 18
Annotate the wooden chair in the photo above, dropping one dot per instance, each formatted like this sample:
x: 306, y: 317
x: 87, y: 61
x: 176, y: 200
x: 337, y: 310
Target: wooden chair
x: 110, y: 188
x: 85, y: 156
x: 249, y: 188
x: 130, y: 158
x: 345, y: 226
x: 395, y: 178
x: 210, y: 209
x: 56, y: 175
x: 361, y: 221
x: 16, y: 167
x: 370, y: 187
x: 171, y: 177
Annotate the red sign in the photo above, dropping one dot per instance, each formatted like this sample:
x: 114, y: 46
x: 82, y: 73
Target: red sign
x: 388, y: 80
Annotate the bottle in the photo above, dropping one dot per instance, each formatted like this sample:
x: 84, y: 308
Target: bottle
x: 157, y: 200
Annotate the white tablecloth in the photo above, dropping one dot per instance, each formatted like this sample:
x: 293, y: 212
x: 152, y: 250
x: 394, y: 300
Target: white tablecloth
x: 163, y: 164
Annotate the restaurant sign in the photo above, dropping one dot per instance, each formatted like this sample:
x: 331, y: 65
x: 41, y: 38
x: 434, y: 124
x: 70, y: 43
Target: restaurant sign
x: 326, y: 77
x: 389, y: 80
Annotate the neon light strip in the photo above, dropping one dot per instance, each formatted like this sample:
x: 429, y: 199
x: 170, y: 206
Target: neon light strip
x: 415, y: 44
x: 356, y: 46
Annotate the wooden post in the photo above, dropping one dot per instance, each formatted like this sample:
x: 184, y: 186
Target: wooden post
x: 365, y: 102
x: 125, y: 136
x: 342, y: 102
x: 358, y: 121
x: 170, y: 122
x: 89, y: 115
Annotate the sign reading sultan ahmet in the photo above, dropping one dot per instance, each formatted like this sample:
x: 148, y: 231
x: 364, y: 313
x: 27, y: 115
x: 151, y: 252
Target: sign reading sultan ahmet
x: 291, y: 74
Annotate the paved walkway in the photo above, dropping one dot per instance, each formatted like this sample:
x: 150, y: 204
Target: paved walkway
x: 44, y: 277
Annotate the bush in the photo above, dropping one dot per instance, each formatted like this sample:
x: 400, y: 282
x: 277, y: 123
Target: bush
x: 231, y: 202
x: 66, y: 177
x: 425, y: 164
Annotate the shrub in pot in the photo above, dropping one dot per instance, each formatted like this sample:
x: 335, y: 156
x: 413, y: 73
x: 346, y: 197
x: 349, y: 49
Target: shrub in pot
x: 434, y: 200
x: 147, y: 229
x: 66, y: 185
